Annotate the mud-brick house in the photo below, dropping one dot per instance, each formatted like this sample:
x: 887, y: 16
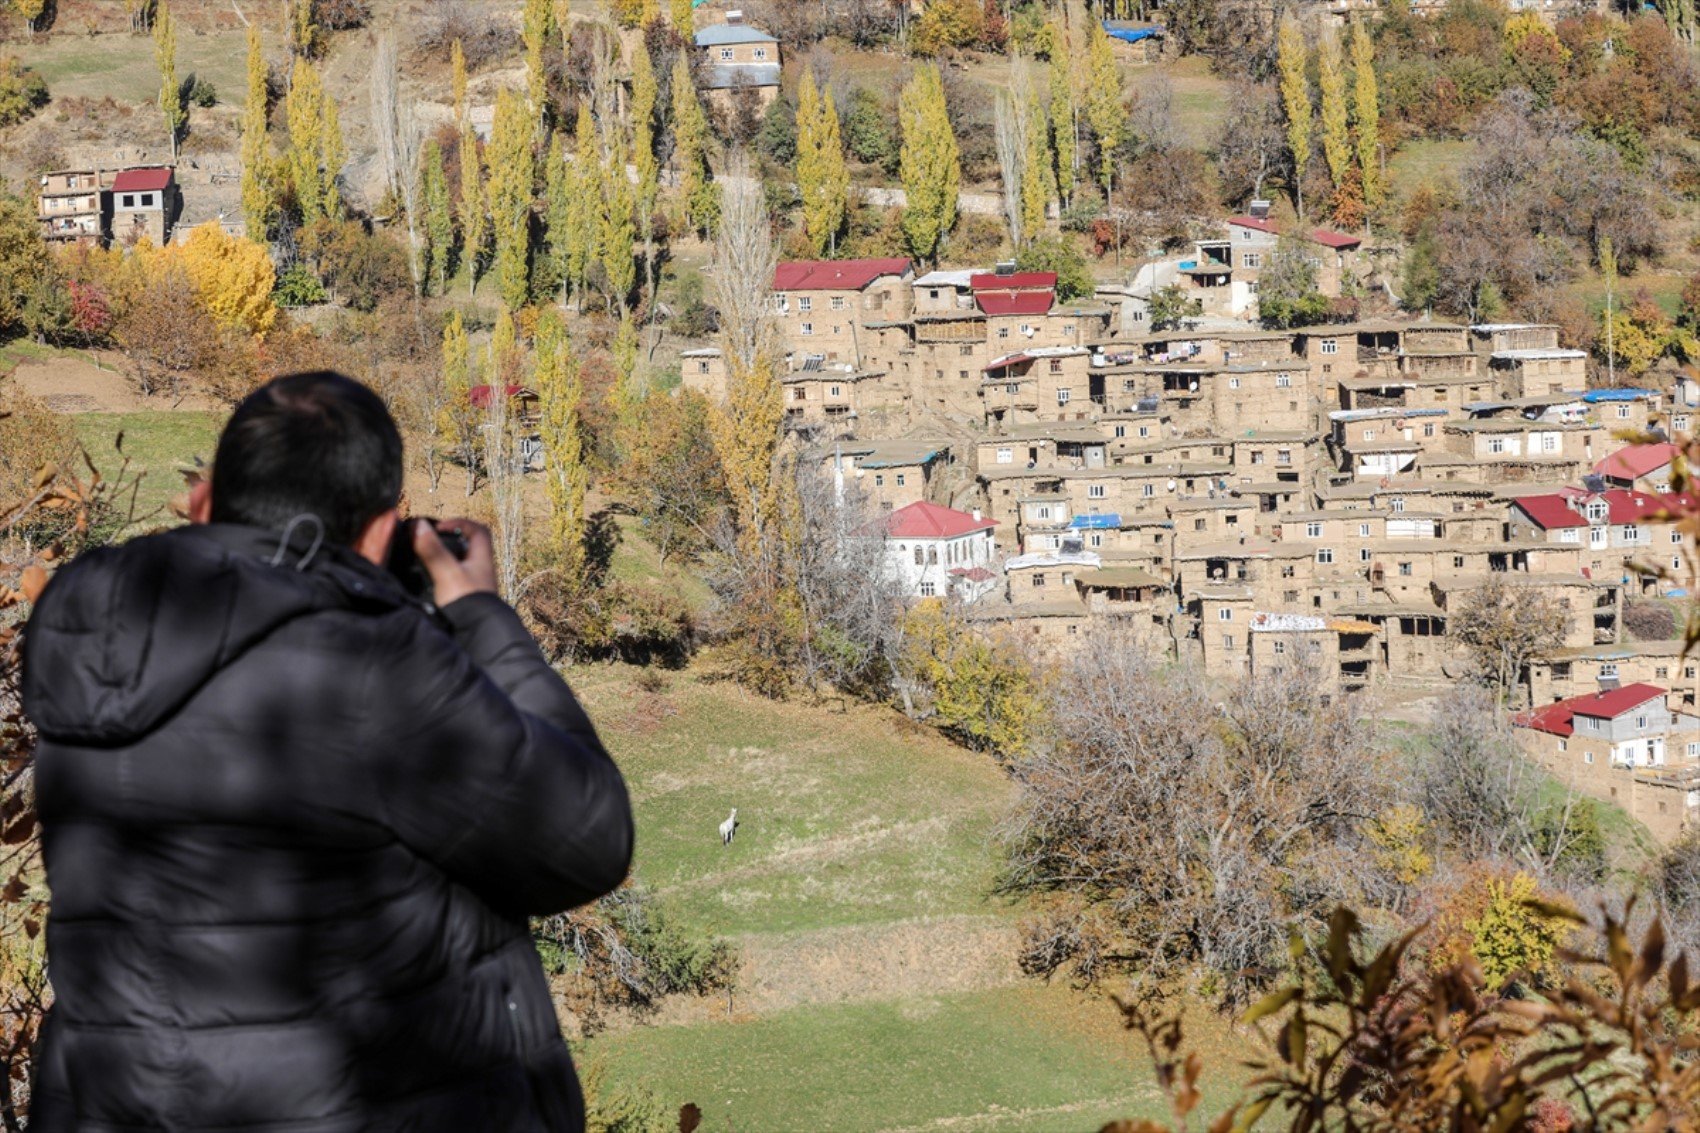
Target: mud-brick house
x: 144, y: 204
x: 738, y: 59
x: 72, y: 206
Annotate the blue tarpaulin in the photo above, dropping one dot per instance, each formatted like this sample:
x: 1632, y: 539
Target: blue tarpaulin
x: 1132, y: 35
x: 1597, y: 395
x: 1095, y: 522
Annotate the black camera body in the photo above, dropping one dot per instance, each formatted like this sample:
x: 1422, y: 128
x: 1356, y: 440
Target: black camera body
x: 405, y: 564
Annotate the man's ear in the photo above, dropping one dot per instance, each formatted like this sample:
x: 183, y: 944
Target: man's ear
x: 373, y: 542
x: 200, y: 502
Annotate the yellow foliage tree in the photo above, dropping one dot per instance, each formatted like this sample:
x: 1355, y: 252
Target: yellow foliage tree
x: 560, y: 394
x: 232, y: 276
x: 1366, y: 115
x: 1291, y: 59
x: 259, y: 202
x: 986, y: 697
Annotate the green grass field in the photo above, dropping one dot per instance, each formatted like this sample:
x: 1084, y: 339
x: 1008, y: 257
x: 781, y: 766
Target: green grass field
x: 156, y: 442
x: 1426, y: 162
x: 122, y: 66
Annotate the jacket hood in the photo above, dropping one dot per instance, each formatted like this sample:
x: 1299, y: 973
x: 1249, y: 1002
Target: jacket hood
x: 124, y: 636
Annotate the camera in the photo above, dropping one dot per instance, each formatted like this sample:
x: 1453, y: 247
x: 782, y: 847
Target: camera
x: 405, y: 564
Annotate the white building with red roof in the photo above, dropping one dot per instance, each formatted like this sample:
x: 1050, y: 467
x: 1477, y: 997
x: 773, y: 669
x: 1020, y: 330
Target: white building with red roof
x: 1610, y: 527
x: 1223, y: 273
x: 1623, y: 746
x: 938, y: 551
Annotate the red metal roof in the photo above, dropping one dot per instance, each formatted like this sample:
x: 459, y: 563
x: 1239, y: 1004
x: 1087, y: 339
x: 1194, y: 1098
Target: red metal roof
x: 142, y: 180
x: 1324, y: 236
x: 1016, y: 303
x: 480, y: 395
x: 1551, y: 512
x: 1636, y: 461
x: 834, y: 275
x: 930, y: 521
x: 1557, y: 718
x: 1019, y: 281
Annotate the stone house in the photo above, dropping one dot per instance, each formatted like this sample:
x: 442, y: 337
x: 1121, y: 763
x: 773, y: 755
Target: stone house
x: 1642, y: 468
x: 890, y: 474
x: 1041, y: 383
x: 74, y: 206
x: 738, y: 60
x: 821, y: 304
x: 144, y: 204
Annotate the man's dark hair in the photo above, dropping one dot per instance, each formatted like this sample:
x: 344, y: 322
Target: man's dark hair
x: 318, y: 443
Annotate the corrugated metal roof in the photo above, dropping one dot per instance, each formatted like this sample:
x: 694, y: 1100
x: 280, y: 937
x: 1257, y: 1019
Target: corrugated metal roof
x: 727, y: 35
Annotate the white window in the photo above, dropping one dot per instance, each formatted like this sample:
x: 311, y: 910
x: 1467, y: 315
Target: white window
x: 808, y: 328
x: 928, y: 589
x: 1145, y: 431
x: 1251, y: 260
x: 1623, y: 411
x: 1608, y: 668
x: 1313, y: 531
x: 1693, y: 750
x: 1233, y: 383
x: 901, y: 477
x: 1121, y: 430
x: 1280, y: 647
x: 1680, y: 424
x: 1676, y: 536
x: 1148, y: 490
x: 1062, y: 397
x: 1225, y: 614
x: 1095, y: 491
x: 833, y: 391
x: 1006, y: 456
x: 879, y: 479
x: 1596, y: 511
x: 1496, y: 444
x: 1369, y: 434
x: 1587, y: 757
x: 1640, y: 721
x: 725, y: 54
x: 1631, y: 533
x: 1397, y: 504
x: 1363, y: 531
x: 1363, y: 554
x: 1570, y: 535
x: 1026, y: 328
x: 805, y: 303
x: 1283, y: 381
x: 838, y: 302
x: 1325, y: 555
x: 1330, y: 346
x: 761, y: 54
x: 1044, y: 513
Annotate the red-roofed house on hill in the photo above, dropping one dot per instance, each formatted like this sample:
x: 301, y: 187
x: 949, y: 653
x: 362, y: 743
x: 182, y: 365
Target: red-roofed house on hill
x: 938, y: 551
x: 144, y: 203
x: 822, y: 303
x: 1623, y: 746
x: 1610, y: 527
x: 1645, y: 468
x: 1223, y: 274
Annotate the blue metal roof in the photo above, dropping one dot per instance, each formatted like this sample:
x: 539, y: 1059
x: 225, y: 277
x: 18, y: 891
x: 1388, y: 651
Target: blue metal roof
x: 725, y: 35
x: 1095, y: 522
x: 1594, y: 396
x: 1132, y: 34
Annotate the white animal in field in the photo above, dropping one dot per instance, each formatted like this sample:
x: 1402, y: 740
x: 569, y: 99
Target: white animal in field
x: 729, y: 828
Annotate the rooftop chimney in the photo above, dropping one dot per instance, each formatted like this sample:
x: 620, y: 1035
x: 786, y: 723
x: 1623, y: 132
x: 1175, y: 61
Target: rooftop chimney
x: 976, y: 514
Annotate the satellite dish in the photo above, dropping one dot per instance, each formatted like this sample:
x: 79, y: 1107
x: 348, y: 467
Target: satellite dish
x: 1171, y: 485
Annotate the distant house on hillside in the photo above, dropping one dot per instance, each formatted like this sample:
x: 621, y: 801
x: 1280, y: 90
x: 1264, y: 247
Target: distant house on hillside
x: 938, y: 551
x: 822, y: 303
x: 144, y: 203
x: 738, y: 58
x: 1224, y: 273
x: 1645, y: 468
x: 73, y: 206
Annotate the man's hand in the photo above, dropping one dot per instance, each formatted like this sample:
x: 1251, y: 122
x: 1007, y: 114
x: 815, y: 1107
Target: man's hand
x: 452, y: 578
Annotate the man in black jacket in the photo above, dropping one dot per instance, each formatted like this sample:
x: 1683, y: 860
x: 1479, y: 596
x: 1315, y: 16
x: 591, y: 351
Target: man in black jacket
x: 293, y: 822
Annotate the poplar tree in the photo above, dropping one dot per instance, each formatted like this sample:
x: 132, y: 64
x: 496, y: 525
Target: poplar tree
x: 513, y: 178
x: 538, y: 27
x: 1336, y: 135
x: 698, y: 199
x: 457, y: 424
x: 1366, y: 112
x: 823, y: 178
x: 316, y: 150
x: 1290, y: 61
x: 930, y: 164
x: 684, y: 19
x: 474, y: 223
x: 617, y: 235
x: 549, y: 275
x: 1063, y: 140
x: 628, y: 393
x: 504, y: 346
x: 584, y: 208
x: 439, y: 216
x: 645, y: 94
x: 170, y: 93
x: 259, y: 203
x: 302, y: 31
x: 31, y: 11
x: 1106, y: 102
x: 1039, y: 180
x: 560, y: 396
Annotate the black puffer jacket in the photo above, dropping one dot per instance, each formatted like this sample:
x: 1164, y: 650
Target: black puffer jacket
x: 293, y: 829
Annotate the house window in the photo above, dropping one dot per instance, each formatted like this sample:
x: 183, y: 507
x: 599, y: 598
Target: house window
x: 1283, y: 381
x: 1325, y: 555
x: 1631, y: 533
x: 1003, y: 332
x: 928, y: 589
x: 879, y: 479
x: 1597, y: 511
x: 1044, y: 513
x: 920, y: 556
x: 1570, y: 535
x: 1038, y: 579
x: 1661, y: 673
x: 1457, y: 562
x: 808, y: 328
x: 1280, y: 647
x: 901, y: 477
x: 129, y: 201
x: 1363, y: 531
x: 1496, y: 444
x: 805, y: 303
x: 833, y: 390
x: 725, y: 54
x: 1363, y: 554
x: 1257, y: 457
x: 1006, y: 456
x: 1676, y: 536
x: 1588, y: 757
x: 1062, y: 397
x: 1405, y: 569
x: 1199, y: 525
x: 1608, y: 668
x: 1369, y: 434
x: 1227, y: 641
x: 1121, y: 430
x: 1233, y: 383
x: 838, y: 302
x: 1623, y: 411
x: 1225, y: 614
x: 799, y: 394
x: 1095, y: 491
x: 761, y: 54
x: 1428, y: 429
x: 1251, y: 260
x: 147, y: 200
x: 966, y: 351
x: 702, y: 367
x: 1148, y: 490
x: 1056, y: 365
x: 1313, y: 531
x: 1640, y: 721
x: 1283, y: 456
x: 1330, y: 346
x: 1397, y: 504
x: 1144, y: 431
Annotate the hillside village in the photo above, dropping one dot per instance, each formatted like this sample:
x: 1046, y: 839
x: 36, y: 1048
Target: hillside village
x: 962, y: 360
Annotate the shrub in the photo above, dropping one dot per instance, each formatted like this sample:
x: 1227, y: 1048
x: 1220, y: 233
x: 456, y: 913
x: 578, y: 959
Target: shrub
x: 297, y: 286
x: 22, y: 91
x: 202, y: 93
x: 948, y: 25
x: 868, y: 132
x: 1061, y: 255
x: 341, y: 15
